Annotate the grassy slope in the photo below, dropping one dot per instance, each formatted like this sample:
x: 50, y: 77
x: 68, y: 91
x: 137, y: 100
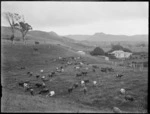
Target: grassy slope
x: 100, y: 99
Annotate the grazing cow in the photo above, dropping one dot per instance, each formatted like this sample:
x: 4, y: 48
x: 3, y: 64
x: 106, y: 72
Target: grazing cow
x: 21, y: 84
x: 111, y: 70
x: 26, y: 86
x: 41, y: 71
x: 103, y: 69
x: 22, y: 68
x: 59, y: 58
x: 75, y: 85
x: 70, y: 90
x: 119, y: 75
x: 77, y: 68
x: 129, y: 98
x: 37, y: 76
x: 32, y: 91
x: 86, y: 68
x: 51, y: 93
x: 53, y: 73
x: 85, y: 90
x: 36, y: 42
x: 45, y: 90
x: 30, y: 73
x: 38, y: 85
x: 122, y: 91
x: 93, y: 70
x: 82, y: 83
x: 43, y: 77
x: 94, y: 83
x: 84, y: 73
x: 81, y: 63
x: 43, y: 85
x: 78, y: 75
x: 116, y: 110
x: 94, y: 66
x: 62, y: 70
x: 35, y: 49
x: 50, y: 75
x: 87, y: 81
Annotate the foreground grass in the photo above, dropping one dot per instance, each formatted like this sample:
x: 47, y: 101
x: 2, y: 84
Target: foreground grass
x: 98, y: 99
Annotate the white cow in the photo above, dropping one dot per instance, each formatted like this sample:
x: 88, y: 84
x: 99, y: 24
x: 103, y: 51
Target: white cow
x: 94, y: 83
x: 122, y: 91
x: 77, y: 68
x: 116, y: 110
x: 41, y: 71
x: 51, y: 93
x: 82, y: 83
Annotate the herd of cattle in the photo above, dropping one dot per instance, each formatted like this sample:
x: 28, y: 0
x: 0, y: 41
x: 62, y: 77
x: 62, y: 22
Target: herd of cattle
x: 80, y: 65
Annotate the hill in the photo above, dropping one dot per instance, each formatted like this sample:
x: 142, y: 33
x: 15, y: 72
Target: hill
x: 98, y: 37
x: 44, y: 37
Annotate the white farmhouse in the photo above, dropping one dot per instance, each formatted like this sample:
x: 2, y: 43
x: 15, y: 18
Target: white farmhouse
x: 121, y: 54
x: 81, y: 52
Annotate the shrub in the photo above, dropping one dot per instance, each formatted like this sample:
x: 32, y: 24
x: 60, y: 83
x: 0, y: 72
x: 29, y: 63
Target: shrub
x: 97, y: 51
x: 119, y: 47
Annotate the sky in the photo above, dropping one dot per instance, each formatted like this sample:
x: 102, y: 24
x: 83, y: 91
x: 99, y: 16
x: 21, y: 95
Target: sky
x: 86, y: 18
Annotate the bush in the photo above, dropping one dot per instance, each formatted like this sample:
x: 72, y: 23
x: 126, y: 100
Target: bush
x: 119, y: 47
x: 97, y: 51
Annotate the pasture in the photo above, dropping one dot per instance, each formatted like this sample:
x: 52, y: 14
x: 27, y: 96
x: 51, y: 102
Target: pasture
x: 99, y: 99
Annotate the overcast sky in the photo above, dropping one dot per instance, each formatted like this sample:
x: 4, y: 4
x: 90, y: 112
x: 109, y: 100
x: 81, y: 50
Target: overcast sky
x: 128, y: 18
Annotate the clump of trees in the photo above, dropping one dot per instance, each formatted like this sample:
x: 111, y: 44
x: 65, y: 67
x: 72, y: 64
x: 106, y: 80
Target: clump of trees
x: 17, y: 21
x: 119, y: 47
x: 97, y: 51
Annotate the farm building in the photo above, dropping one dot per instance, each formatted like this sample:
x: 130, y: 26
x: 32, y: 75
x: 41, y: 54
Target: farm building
x: 121, y: 54
x: 81, y: 52
x: 104, y: 57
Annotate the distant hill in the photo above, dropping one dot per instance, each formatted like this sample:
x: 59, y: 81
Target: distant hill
x: 78, y: 37
x: 47, y: 37
x: 98, y: 37
x: 35, y: 35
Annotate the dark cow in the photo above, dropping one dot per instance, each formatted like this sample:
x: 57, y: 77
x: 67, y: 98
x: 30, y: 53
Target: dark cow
x: 85, y: 90
x: 21, y: 84
x: 75, y: 85
x: 70, y: 90
x: 53, y: 73
x: 93, y: 70
x: 37, y: 76
x: 94, y: 66
x: 38, y: 85
x: 35, y: 49
x: 30, y: 73
x: 87, y: 81
x: 31, y: 91
x: 22, y: 68
x: 103, y: 69
x: 45, y: 90
x: 36, y: 42
x: 129, y: 98
x: 84, y: 73
x: 119, y: 75
x: 78, y: 75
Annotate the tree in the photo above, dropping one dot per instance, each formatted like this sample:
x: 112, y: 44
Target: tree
x: 119, y: 47
x: 97, y: 51
x: 22, y: 26
x: 10, y: 17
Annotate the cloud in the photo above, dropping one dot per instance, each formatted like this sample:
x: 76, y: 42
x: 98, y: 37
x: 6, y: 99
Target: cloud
x: 67, y: 14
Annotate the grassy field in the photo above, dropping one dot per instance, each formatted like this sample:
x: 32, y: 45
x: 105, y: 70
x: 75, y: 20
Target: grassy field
x: 100, y: 99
